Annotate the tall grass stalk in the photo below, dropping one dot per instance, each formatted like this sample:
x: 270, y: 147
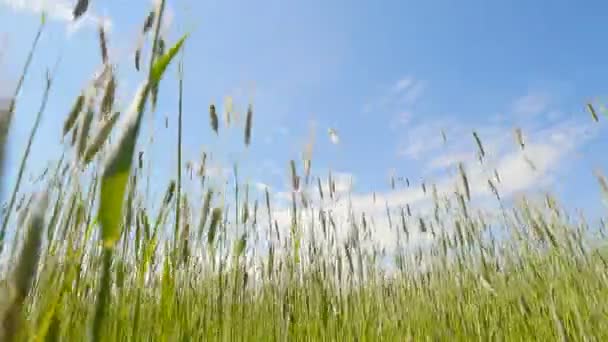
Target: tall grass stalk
x: 24, y: 159
x: 7, y: 117
x: 179, y: 152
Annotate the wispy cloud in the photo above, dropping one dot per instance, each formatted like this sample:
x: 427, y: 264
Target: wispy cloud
x: 343, y: 183
x: 424, y: 137
x: 398, y: 97
x: 59, y: 10
x: 403, y: 84
x: 424, y: 140
x: 261, y: 186
x: 447, y: 160
x: 414, y: 93
x: 547, y: 152
x: 218, y: 172
x: 550, y: 143
x: 404, y: 117
x: 532, y: 103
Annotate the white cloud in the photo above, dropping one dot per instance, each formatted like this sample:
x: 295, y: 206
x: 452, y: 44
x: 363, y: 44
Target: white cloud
x: 548, y: 146
x: 414, y: 93
x: 343, y: 183
x: 397, y: 98
x: 217, y: 171
x: 450, y: 159
x: 333, y: 136
x: 422, y: 138
x: 416, y: 149
x: 404, y: 117
x: 402, y: 85
x: 59, y: 10
x: 531, y: 104
x: 261, y: 186
x: 516, y: 176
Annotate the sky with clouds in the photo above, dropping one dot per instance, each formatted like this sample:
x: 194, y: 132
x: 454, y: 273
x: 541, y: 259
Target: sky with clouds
x: 388, y: 76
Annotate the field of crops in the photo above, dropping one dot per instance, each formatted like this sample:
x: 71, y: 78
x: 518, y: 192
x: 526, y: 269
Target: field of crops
x: 87, y: 258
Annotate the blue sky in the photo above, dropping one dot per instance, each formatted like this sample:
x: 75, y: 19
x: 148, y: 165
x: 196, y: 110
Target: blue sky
x: 387, y: 75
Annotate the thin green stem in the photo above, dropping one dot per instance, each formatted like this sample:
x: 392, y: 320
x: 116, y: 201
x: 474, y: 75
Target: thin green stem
x: 159, y: 19
x: 179, y: 151
x: 25, y: 157
x: 5, y: 121
x: 103, y: 296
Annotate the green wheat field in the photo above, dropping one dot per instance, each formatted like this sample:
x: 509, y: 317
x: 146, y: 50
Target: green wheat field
x: 87, y: 259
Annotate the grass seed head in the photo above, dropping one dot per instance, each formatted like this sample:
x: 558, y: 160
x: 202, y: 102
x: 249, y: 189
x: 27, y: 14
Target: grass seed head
x: 593, y: 112
x: 294, y: 176
x: 216, y: 216
x: 138, y: 58
x: 320, y: 187
x: 107, y: 101
x: 333, y: 136
x: 493, y: 188
x: 99, y: 81
x: 203, y: 165
x: 530, y: 163
x: 496, y: 175
x: 422, y: 225
x: 73, y: 115
x: 213, y: 118
x: 228, y: 108
x: 148, y: 22
x: 80, y: 8
x: 519, y: 138
x: 205, y: 211
x: 169, y: 194
x: 482, y: 152
x: 248, y: 124
x: 103, y: 44
x: 100, y: 137
x: 83, y: 134
x: 465, y: 181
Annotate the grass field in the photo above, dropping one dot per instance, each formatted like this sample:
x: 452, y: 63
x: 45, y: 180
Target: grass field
x: 91, y: 261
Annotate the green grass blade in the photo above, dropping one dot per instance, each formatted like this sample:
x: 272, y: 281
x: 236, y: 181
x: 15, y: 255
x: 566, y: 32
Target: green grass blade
x: 161, y: 64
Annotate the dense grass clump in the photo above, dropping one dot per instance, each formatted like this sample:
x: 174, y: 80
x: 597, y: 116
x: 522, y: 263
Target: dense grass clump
x: 90, y: 260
